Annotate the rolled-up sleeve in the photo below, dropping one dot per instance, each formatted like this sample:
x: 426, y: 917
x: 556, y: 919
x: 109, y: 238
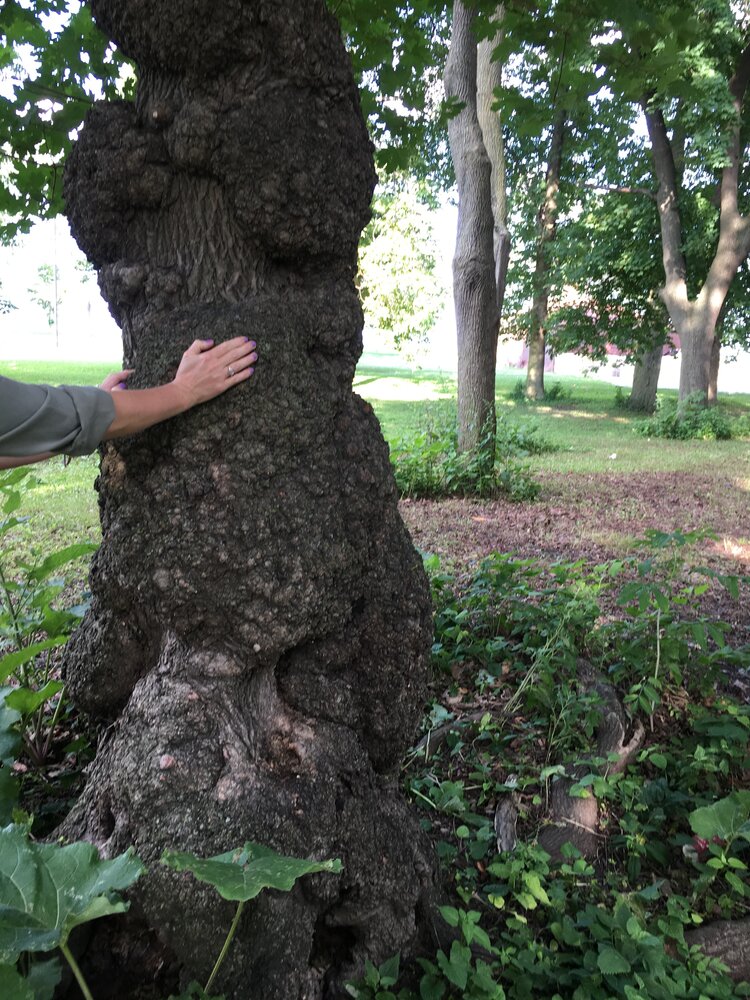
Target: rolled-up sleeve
x: 39, y: 418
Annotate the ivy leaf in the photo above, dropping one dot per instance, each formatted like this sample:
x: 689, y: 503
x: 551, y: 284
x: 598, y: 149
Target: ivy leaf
x: 242, y: 874
x: 47, y: 890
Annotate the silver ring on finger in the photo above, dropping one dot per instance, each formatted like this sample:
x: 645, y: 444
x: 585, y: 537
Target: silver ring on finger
x: 230, y: 371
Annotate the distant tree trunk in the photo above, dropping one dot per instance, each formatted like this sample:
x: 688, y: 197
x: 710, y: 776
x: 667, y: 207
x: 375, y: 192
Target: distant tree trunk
x: 713, y: 378
x: 490, y: 79
x: 260, y: 621
x: 474, y: 286
x: 547, y: 223
x: 695, y: 320
x: 646, y: 380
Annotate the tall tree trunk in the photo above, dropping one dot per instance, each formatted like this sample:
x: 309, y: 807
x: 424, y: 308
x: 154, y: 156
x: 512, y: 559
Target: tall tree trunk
x: 474, y: 287
x: 695, y: 320
x: 489, y: 80
x: 547, y: 223
x: 713, y: 378
x: 646, y: 380
x: 260, y: 621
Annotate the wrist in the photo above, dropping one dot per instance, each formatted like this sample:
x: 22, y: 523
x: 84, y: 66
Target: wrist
x: 184, y: 399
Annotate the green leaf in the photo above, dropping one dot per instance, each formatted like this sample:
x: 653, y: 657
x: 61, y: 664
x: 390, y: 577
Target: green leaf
x: 10, y: 738
x: 722, y: 819
x: 11, y: 662
x: 456, y: 968
x: 61, y: 558
x: 389, y: 971
x: 44, y: 977
x: 47, y: 890
x: 431, y: 987
x: 26, y: 701
x: 242, y: 874
x: 13, y: 986
x: 10, y: 789
x: 611, y: 962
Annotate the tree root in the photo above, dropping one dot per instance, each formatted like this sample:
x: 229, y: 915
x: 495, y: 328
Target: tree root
x: 575, y: 819
x: 726, y: 940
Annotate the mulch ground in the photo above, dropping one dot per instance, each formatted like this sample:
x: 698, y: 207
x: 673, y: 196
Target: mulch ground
x: 598, y: 518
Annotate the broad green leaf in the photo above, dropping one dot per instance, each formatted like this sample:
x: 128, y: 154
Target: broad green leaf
x: 611, y: 962
x: 61, y: 558
x: 11, y: 662
x: 13, y: 986
x: 47, y: 890
x: 456, y: 968
x: 44, y: 977
x: 723, y: 819
x: 389, y: 970
x: 26, y: 701
x: 242, y: 874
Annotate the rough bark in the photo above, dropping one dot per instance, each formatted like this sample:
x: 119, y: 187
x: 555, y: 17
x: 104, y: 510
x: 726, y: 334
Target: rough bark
x: 260, y: 621
x: 474, y: 287
x: 695, y: 319
x: 646, y: 380
x: 547, y: 225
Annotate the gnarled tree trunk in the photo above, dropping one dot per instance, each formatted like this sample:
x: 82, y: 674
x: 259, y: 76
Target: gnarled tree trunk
x: 260, y: 620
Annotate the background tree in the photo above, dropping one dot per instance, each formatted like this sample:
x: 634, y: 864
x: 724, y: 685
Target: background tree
x: 401, y: 292
x: 690, y: 66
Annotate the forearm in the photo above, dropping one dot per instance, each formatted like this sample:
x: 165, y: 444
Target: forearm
x: 14, y: 463
x: 138, y: 409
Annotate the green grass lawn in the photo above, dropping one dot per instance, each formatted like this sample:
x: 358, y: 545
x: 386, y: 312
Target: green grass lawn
x: 584, y: 423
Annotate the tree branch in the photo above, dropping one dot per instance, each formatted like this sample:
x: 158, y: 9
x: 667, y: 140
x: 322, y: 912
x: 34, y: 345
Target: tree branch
x: 617, y: 189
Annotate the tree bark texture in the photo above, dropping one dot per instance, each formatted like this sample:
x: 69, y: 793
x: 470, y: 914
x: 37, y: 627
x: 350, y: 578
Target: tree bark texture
x: 695, y: 319
x: 646, y: 380
x: 547, y: 228
x: 260, y: 621
x: 474, y: 286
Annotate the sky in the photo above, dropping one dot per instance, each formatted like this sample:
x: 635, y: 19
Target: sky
x: 85, y: 331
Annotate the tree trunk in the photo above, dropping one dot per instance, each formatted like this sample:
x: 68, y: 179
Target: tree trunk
x: 547, y: 227
x: 713, y: 378
x: 695, y: 320
x: 490, y: 79
x: 646, y: 380
x: 474, y: 287
x: 260, y: 621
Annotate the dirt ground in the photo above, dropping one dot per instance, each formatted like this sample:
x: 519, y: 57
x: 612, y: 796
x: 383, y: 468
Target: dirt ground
x: 597, y: 518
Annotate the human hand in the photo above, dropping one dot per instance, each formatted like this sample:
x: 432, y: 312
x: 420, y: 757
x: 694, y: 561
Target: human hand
x: 117, y: 380
x: 206, y: 371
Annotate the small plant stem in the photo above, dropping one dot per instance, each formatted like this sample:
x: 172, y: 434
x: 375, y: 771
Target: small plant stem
x: 658, y: 661
x: 227, y: 943
x: 53, y: 723
x: 76, y: 971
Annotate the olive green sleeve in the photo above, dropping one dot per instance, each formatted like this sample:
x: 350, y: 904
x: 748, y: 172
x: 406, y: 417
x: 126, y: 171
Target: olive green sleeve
x: 35, y: 419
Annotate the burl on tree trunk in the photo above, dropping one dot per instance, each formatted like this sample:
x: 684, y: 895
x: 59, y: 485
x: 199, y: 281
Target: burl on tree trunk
x: 260, y: 619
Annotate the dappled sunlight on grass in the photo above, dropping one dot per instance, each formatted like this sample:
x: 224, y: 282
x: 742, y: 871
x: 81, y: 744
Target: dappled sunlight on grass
x: 390, y: 389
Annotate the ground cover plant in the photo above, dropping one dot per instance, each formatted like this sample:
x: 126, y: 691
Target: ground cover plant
x: 513, y: 716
